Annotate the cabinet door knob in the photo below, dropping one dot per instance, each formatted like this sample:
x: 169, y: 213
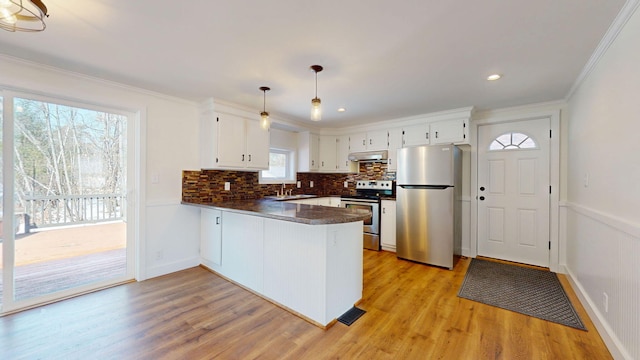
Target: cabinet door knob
x: 481, y: 188
x: 481, y: 198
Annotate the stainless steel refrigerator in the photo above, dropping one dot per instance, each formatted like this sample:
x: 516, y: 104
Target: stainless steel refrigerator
x: 428, y: 189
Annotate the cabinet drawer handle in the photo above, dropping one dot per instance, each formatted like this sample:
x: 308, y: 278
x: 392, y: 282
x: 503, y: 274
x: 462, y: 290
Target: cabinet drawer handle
x: 370, y: 142
x: 217, y: 220
x: 436, y: 134
x: 384, y: 210
x: 427, y: 135
x: 249, y: 157
x: 242, y: 157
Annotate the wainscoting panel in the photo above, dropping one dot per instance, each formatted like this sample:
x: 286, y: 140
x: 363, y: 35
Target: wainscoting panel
x: 172, y: 238
x: 601, y: 259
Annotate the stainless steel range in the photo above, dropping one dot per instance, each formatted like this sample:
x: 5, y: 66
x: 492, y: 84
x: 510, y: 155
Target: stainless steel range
x: 368, y: 193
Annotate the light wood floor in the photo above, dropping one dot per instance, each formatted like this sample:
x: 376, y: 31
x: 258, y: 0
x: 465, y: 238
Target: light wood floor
x: 412, y: 313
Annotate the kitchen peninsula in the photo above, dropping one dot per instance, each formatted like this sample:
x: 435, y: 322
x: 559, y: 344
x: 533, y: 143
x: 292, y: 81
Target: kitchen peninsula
x: 305, y: 258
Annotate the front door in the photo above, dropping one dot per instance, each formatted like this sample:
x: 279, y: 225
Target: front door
x: 513, y: 191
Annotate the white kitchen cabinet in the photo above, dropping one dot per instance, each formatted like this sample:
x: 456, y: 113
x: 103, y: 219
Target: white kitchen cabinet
x: 257, y: 145
x: 377, y: 140
x: 342, y: 157
x: 414, y: 135
x: 369, y: 141
x: 358, y: 142
x: 328, y: 153
x: 437, y: 132
x: 243, y: 249
x: 395, y: 143
x: 388, y: 225
x: 211, y: 237
x: 310, y: 201
x: 308, y: 152
x: 448, y: 131
x: 332, y: 201
x: 233, y: 142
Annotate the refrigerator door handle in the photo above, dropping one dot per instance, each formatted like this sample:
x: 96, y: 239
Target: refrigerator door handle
x: 434, y: 187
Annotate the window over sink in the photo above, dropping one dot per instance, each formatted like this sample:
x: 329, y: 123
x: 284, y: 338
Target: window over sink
x: 281, y: 167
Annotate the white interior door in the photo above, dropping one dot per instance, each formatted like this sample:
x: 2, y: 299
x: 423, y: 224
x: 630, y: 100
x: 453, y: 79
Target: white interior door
x: 513, y: 191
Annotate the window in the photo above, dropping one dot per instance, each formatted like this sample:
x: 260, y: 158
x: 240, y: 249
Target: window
x: 512, y: 141
x: 281, y: 167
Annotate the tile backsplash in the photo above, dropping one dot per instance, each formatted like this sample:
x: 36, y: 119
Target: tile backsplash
x: 205, y: 186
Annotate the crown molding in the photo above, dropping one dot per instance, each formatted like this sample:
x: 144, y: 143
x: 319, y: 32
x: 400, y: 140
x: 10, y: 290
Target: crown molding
x: 80, y: 76
x: 610, y: 36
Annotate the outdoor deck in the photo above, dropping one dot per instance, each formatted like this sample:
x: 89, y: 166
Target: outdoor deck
x: 61, y: 258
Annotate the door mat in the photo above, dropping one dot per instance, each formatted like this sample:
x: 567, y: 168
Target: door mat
x: 524, y: 290
x: 351, y: 316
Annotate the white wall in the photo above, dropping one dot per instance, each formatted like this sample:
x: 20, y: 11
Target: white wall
x: 602, y: 220
x: 283, y: 139
x: 168, y: 231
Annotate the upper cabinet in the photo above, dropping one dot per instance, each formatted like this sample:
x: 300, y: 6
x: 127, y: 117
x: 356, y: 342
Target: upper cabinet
x: 369, y: 141
x: 342, y: 158
x: 413, y: 135
x: 324, y: 153
x: 438, y: 132
x: 449, y: 131
x: 308, y: 152
x: 233, y: 142
x: 328, y: 153
x: 395, y: 143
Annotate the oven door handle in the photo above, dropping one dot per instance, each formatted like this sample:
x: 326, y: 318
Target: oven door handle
x: 359, y: 201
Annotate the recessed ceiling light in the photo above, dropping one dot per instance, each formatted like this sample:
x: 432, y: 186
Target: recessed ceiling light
x: 341, y: 109
x: 494, y: 77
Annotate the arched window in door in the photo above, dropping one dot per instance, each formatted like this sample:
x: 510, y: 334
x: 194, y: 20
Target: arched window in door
x: 513, y: 141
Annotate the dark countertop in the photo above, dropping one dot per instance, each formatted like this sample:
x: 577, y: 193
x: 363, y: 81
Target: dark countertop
x: 283, y: 210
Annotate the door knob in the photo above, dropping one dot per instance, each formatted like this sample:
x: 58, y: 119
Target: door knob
x: 481, y: 198
x: 481, y: 188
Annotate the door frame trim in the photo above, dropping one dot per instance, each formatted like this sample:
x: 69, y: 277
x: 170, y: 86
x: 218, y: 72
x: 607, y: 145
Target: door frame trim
x: 554, y: 176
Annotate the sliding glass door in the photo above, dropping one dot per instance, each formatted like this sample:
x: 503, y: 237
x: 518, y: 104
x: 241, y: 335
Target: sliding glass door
x: 65, y: 185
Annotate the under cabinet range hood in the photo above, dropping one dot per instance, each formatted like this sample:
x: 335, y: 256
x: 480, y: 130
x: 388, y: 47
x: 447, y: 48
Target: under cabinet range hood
x: 369, y: 156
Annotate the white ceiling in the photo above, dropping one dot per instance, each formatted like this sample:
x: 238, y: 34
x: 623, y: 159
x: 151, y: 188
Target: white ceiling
x: 383, y: 59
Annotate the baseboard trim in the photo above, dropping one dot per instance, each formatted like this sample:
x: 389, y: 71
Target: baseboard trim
x: 175, y: 266
x: 607, y: 334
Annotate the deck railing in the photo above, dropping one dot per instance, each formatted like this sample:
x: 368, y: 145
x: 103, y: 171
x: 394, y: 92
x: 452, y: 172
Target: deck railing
x: 50, y: 211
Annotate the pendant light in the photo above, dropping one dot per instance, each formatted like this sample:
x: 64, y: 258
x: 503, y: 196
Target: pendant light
x: 22, y: 15
x: 316, y: 110
x: 264, y: 115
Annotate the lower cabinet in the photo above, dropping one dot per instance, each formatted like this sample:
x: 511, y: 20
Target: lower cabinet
x: 211, y: 237
x: 314, y: 271
x: 332, y: 201
x: 388, y: 225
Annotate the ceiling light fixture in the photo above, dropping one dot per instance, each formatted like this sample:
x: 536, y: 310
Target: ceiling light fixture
x: 316, y: 110
x: 264, y: 115
x: 22, y: 15
x: 494, y: 77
